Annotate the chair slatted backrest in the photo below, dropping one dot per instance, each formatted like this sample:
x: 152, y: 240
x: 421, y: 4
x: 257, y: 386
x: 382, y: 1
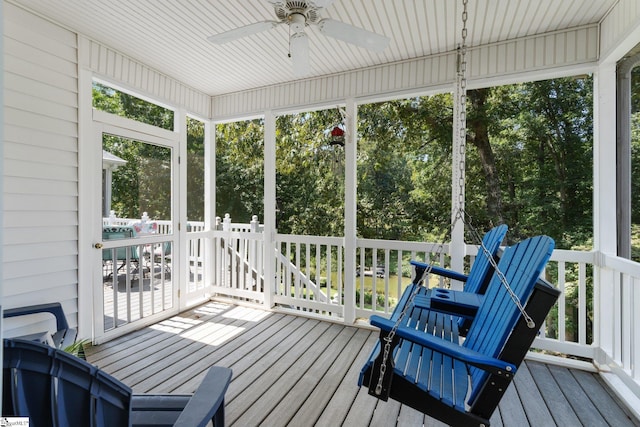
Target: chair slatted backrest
x: 52, y: 387
x: 522, y: 265
x: 481, y: 270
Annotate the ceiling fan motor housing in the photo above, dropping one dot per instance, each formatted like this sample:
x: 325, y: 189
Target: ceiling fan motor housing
x: 287, y: 11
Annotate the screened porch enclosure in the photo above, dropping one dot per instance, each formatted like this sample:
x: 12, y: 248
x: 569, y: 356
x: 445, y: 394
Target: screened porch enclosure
x: 55, y: 216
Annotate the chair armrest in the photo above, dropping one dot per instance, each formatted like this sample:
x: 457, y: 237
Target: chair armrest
x: 186, y: 410
x: 54, y: 308
x: 208, y: 400
x: 439, y: 271
x: 449, y: 301
x: 456, y: 351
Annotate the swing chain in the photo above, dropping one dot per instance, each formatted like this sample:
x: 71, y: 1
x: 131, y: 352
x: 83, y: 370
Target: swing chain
x: 462, y: 122
x: 503, y: 280
x: 460, y: 212
x: 462, y: 114
x: 462, y: 82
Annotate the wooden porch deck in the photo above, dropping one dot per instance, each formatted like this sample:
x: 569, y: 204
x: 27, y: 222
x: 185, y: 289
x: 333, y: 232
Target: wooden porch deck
x: 290, y: 370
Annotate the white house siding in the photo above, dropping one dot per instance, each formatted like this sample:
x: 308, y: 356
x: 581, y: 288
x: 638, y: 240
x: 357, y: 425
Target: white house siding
x: 41, y: 163
x: 510, y: 61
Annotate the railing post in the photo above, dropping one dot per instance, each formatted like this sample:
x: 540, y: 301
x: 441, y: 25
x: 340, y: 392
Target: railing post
x: 217, y: 254
x: 253, y: 254
x: 226, y: 223
x: 269, y: 235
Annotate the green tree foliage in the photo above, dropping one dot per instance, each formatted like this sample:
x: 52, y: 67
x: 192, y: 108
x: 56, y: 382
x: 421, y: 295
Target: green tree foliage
x: 542, y: 135
x: 143, y: 184
x: 404, y: 168
x: 240, y: 170
x: 310, y: 184
x: 113, y: 101
x: 529, y: 164
x: 195, y: 169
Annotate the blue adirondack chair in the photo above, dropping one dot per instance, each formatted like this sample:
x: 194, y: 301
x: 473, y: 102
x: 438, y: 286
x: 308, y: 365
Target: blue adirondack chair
x: 54, y: 388
x: 475, y: 283
x: 462, y: 384
x: 480, y: 273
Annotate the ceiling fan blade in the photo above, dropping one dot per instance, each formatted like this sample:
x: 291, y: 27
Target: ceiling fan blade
x: 354, y: 35
x: 322, y: 3
x: 240, y: 32
x: 299, y: 45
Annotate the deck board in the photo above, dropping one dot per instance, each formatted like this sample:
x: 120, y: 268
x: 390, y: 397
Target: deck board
x: 297, y: 371
x: 558, y: 405
x: 579, y: 400
x: 536, y: 409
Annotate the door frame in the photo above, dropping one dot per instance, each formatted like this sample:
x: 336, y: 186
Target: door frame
x: 106, y: 123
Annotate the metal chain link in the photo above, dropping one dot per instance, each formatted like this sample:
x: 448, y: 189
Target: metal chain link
x: 462, y: 110
x: 462, y: 122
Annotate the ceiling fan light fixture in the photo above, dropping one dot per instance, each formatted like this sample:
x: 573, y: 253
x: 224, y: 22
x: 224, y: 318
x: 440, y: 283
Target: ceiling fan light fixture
x: 299, y: 45
x: 297, y: 22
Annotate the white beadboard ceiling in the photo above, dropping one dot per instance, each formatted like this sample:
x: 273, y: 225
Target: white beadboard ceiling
x: 171, y: 35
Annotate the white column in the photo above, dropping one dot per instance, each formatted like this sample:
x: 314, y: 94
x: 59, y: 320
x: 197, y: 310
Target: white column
x: 179, y: 212
x: 1, y: 179
x: 210, y: 213
x: 1, y: 173
x: 270, y: 231
x: 604, y: 200
x: 89, y: 231
x: 350, y: 215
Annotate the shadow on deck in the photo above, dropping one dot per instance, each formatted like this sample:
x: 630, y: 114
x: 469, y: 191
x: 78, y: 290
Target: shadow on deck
x: 290, y: 370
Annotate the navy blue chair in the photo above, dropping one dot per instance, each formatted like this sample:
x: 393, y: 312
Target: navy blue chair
x: 54, y: 388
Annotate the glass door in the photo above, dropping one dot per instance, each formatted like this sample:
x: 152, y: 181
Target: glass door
x: 137, y: 283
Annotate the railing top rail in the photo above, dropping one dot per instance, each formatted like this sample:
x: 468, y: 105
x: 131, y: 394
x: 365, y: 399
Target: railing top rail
x: 322, y: 240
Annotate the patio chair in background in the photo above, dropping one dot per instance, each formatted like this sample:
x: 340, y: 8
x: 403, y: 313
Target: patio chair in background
x: 120, y: 256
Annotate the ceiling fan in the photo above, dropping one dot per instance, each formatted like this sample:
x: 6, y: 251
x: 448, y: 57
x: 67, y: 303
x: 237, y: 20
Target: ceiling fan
x: 298, y: 14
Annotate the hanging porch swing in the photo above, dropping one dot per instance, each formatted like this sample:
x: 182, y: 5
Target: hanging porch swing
x: 420, y: 361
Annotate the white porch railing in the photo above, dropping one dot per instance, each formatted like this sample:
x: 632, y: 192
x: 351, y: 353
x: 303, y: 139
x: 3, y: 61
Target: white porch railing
x: 197, y: 238
x: 238, y: 260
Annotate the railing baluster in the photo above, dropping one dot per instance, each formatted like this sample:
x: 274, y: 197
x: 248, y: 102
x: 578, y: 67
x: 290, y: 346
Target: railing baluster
x: 582, y: 303
x: 562, y: 304
x: 329, y: 267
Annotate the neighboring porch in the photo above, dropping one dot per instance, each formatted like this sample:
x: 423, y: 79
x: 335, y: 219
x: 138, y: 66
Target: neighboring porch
x: 294, y: 370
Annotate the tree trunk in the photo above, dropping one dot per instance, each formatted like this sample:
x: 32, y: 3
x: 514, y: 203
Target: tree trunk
x: 478, y: 135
